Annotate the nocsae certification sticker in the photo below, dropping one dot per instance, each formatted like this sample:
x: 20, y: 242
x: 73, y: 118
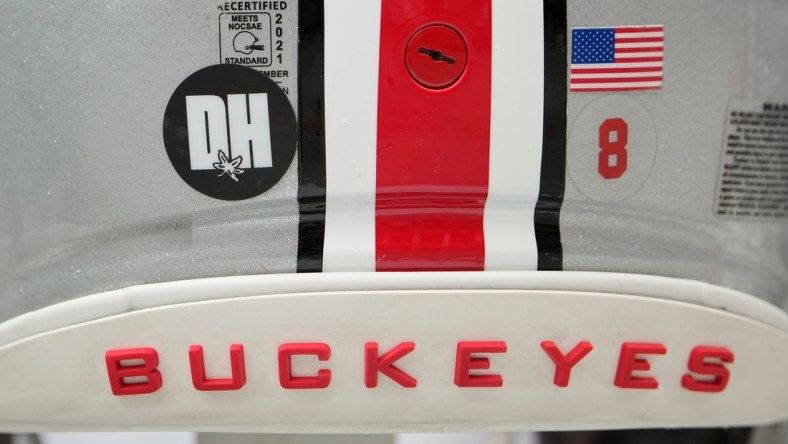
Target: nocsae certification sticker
x: 262, y: 35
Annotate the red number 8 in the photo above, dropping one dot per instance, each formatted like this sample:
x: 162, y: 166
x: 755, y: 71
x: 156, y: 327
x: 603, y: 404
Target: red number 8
x: 610, y: 148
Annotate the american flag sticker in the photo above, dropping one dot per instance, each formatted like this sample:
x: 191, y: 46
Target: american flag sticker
x: 619, y: 58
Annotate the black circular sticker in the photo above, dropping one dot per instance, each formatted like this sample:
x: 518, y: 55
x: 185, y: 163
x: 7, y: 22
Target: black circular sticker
x: 230, y: 132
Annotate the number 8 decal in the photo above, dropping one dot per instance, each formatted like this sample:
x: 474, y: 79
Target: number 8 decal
x: 613, y: 149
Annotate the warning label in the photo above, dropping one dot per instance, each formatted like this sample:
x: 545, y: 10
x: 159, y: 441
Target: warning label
x: 754, y: 173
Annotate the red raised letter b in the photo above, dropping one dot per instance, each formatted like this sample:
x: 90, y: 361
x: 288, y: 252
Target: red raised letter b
x: 146, y: 379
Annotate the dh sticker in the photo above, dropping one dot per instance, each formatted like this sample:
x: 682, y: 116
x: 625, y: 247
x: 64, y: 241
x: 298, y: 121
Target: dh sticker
x: 230, y: 132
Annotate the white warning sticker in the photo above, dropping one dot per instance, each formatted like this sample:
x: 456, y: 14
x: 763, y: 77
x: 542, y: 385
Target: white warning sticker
x: 754, y: 174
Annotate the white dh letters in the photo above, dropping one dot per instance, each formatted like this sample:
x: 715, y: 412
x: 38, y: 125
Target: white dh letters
x: 250, y: 132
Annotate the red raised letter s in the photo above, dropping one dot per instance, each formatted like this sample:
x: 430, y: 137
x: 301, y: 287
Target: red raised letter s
x: 698, y: 364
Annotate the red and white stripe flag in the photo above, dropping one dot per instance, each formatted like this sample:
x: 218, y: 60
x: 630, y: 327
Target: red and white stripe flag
x: 621, y: 58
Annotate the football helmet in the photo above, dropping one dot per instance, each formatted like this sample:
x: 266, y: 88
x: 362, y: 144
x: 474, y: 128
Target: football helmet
x: 393, y: 215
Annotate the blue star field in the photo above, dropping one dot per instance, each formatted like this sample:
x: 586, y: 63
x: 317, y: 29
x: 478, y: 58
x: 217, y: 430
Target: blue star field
x: 595, y: 45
